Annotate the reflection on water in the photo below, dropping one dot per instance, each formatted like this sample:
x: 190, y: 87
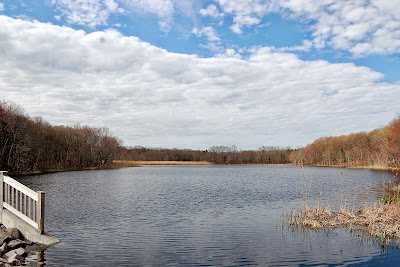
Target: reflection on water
x: 201, y: 216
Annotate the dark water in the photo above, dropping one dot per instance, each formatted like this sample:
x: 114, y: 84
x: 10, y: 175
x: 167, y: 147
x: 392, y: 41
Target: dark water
x: 203, y: 216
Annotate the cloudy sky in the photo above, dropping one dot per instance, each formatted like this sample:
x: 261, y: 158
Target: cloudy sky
x: 194, y: 73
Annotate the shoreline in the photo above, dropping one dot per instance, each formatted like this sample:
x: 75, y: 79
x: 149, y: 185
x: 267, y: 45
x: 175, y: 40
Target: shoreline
x: 370, y: 167
x: 43, y: 172
x: 133, y: 163
x: 119, y: 164
x: 16, y: 250
x: 138, y: 163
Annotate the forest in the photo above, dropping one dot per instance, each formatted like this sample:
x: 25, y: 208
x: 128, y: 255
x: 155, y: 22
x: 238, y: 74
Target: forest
x: 29, y: 144
x: 32, y: 144
x: 215, y: 154
x: 379, y: 148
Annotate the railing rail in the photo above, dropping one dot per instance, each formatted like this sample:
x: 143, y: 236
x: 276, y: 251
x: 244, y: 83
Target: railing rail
x: 22, y: 201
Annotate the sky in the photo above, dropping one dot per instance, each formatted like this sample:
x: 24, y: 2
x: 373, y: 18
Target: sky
x: 195, y: 74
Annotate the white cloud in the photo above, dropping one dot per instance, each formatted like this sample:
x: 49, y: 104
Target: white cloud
x: 148, y: 96
x: 1, y: 6
x: 236, y: 28
x: 87, y: 12
x: 97, y: 12
x: 213, y: 40
x: 111, y: 5
x: 305, y: 46
x: 211, y: 11
x: 361, y: 27
x: 160, y: 8
x: 213, y: 47
x: 230, y: 53
x: 305, y: 6
x: 246, y: 13
x: 186, y: 7
x: 163, y: 9
x: 208, y: 32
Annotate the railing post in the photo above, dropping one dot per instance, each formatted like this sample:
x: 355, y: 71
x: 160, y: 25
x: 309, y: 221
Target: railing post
x: 40, y: 211
x: 1, y: 188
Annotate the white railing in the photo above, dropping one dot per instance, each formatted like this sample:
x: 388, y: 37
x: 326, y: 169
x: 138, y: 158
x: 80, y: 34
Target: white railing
x: 22, y: 201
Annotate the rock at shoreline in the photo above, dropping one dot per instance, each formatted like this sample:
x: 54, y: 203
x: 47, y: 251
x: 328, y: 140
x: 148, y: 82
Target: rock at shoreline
x: 13, y: 250
x: 14, y: 244
x: 15, y: 233
x: 16, y: 256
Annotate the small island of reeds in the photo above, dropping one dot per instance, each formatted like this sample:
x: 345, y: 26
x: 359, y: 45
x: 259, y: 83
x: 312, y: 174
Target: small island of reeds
x: 379, y: 220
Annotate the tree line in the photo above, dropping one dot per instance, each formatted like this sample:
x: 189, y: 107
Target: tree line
x: 31, y: 144
x: 378, y: 148
x: 215, y: 154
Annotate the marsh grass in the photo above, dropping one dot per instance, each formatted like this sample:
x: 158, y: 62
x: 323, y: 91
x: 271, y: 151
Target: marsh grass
x: 379, y: 220
x: 132, y: 163
x: 392, y: 192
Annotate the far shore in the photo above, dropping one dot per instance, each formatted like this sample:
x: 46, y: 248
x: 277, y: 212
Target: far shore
x: 41, y: 172
x: 138, y: 163
x: 117, y: 164
x: 369, y: 167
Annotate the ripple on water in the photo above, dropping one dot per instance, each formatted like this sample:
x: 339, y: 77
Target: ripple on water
x: 198, y: 216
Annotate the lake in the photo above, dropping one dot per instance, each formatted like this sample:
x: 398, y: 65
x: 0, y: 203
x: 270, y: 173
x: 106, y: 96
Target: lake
x: 203, y: 216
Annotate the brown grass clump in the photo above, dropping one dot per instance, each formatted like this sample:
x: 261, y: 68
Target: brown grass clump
x: 378, y: 220
x: 124, y: 164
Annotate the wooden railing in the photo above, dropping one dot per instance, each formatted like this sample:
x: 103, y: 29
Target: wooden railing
x: 22, y: 201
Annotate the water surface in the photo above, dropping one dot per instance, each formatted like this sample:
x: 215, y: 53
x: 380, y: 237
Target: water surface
x: 203, y: 216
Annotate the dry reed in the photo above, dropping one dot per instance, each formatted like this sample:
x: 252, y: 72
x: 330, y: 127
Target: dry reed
x: 379, y: 220
x: 132, y: 163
